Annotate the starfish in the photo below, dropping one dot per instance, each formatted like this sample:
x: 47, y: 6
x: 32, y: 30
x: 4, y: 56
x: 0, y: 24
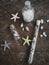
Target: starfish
x: 5, y: 45
x: 15, y: 17
x: 26, y: 41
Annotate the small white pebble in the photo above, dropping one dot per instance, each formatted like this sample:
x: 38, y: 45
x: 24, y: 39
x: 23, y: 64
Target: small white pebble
x: 22, y: 29
x: 41, y: 27
x: 47, y: 21
x: 21, y: 25
x: 44, y: 33
x: 27, y: 28
x: 42, y: 21
x: 41, y: 35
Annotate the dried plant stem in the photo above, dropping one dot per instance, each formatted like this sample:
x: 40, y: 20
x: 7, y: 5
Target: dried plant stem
x: 34, y: 42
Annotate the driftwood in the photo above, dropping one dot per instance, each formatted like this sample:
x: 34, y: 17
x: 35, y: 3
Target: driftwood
x: 34, y: 42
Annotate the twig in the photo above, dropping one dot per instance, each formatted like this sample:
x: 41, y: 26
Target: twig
x: 34, y: 42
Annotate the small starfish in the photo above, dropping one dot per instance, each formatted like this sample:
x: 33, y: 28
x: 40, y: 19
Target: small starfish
x: 15, y: 17
x: 26, y: 41
x: 5, y: 45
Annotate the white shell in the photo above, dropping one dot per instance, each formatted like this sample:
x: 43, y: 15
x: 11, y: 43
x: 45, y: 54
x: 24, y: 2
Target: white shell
x: 21, y: 25
x: 44, y: 33
x: 27, y: 28
x: 47, y: 21
x: 22, y: 29
x: 41, y: 27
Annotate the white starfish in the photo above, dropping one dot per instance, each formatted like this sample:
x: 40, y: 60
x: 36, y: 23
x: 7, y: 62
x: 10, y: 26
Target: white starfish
x: 15, y: 17
x: 5, y: 45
